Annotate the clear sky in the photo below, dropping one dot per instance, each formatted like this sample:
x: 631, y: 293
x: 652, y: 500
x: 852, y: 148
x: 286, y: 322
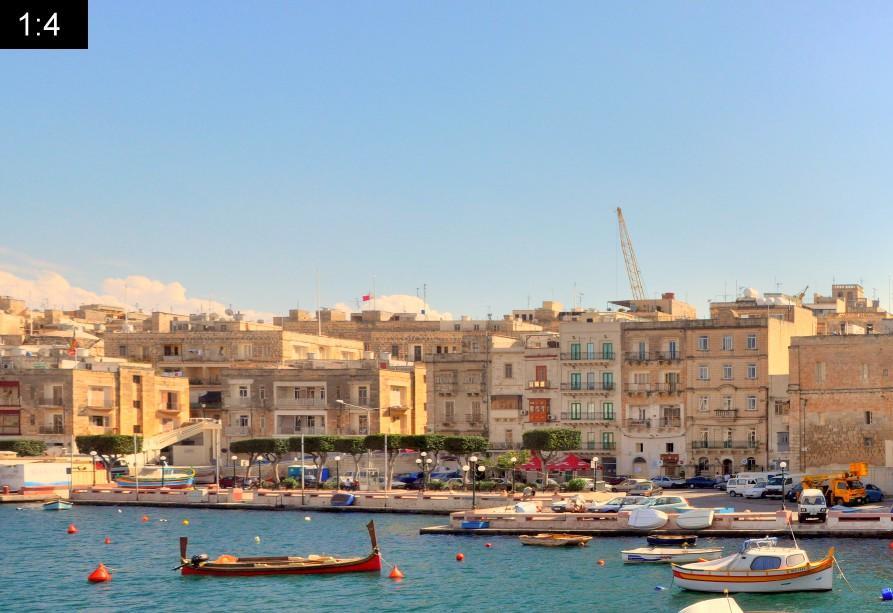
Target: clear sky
x: 479, y: 147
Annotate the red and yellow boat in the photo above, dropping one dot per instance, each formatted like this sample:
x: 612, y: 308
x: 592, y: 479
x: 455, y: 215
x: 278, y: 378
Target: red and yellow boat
x: 233, y: 566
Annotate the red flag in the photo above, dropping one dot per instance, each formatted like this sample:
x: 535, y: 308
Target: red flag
x: 72, y: 348
x: 367, y: 297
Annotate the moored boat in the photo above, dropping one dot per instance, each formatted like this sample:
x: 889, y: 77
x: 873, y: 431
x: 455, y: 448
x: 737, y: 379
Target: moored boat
x: 554, y: 540
x: 57, y: 505
x: 234, y: 566
x: 726, y: 604
x: 671, y: 540
x: 151, y: 478
x: 695, y: 519
x: 668, y: 555
x: 647, y: 519
x: 343, y: 499
x: 759, y: 565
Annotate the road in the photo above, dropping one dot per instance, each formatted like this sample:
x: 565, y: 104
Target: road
x: 717, y: 498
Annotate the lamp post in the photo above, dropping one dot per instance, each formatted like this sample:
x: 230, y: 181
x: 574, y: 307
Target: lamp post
x: 233, y: 460
x: 93, y: 462
x: 337, y: 472
x: 258, y: 471
x: 473, y: 460
x: 782, y: 465
x: 594, y: 464
x: 465, y: 469
x: 163, y: 466
x: 514, y: 461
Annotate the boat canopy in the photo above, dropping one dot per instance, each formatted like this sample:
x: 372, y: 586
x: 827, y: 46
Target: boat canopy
x: 768, y: 541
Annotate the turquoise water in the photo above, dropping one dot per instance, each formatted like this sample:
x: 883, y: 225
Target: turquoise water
x: 45, y: 568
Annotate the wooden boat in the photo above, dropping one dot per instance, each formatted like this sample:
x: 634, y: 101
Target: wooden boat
x: 342, y: 500
x: 234, y: 566
x: 695, y: 519
x: 760, y: 565
x: 670, y: 554
x: 554, y: 540
x: 647, y: 519
x: 726, y: 604
x: 57, y: 505
x: 671, y: 540
x: 150, y: 478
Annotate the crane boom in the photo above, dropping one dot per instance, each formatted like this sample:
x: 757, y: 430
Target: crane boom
x: 629, y: 257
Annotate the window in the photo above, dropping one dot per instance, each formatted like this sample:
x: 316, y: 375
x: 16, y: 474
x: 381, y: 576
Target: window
x: 727, y: 343
x: 590, y: 351
x: 640, y: 447
x: 673, y: 350
x: 703, y: 404
x: 751, y: 341
x: 395, y: 351
x: 122, y: 351
x: 363, y: 395
x: 541, y: 374
x: 417, y: 353
x: 590, y: 380
x: 457, y: 327
x: 100, y: 421
x: 243, y: 391
x: 507, y: 371
x: 751, y: 403
x: 607, y: 440
x: 642, y: 350
x: 640, y: 377
x: 475, y: 346
x: 262, y: 391
x: 670, y: 447
x: 727, y: 403
x: 868, y: 418
x: 575, y: 351
x: 608, y: 380
x: 765, y: 563
x: 727, y: 372
x: 703, y: 373
x: 820, y: 372
x: 608, y: 351
x: 243, y: 421
x: 576, y: 381
x: 703, y: 343
x: 576, y: 410
x: 752, y: 438
x: 781, y: 439
x: 608, y: 410
x: 449, y: 409
x: 751, y: 371
x: 475, y: 411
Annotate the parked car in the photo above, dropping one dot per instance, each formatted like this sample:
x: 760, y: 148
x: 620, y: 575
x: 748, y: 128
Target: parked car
x: 793, y: 494
x: 671, y: 504
x: 759, y: 490
x: 645, y: 489
x: 812, y: 505
x: 699, y: 482
x: 615, y: 504
x: 873, y: 493
x: 409, y: 477
x: 615, y: 479
x: 628, y: 484
x: 667, y: 482
x: 720, y: 485
x: 737, y: 486
x: 443, y: 476
x: 777, y: 484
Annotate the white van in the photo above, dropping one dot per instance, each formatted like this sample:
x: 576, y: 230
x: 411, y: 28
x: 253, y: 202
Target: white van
x: 738, y: 485
x: 812, y: 505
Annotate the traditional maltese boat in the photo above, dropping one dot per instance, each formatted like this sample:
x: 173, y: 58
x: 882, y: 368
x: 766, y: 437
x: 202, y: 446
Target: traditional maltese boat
x: 555, y: 540
x: 666, y: 555
x: 151, y: 478
x: 57, y: 505
x: 760, y: 565
x: 233, y: 566
x: 671, y: 540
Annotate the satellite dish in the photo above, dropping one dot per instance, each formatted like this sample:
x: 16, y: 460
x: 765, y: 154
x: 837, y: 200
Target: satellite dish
x: 229, y: 312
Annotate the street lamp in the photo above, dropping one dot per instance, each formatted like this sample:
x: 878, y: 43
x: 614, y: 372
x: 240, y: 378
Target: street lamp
x: 163, y: 466
x: 782, y: 465
x: 337, y: 472
x: 594, y: 464
x: 233, y: 460
x: 473, y: 460
x: 514, y: 461
x: 93, y: 462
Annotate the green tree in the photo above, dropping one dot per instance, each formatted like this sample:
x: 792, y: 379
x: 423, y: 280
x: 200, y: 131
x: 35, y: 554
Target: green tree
x: 317, y: 446
x: 432, y: 444
x: 355, y: 447
x: 271, y: 449
x: 107, y: 444
x: 547, y: 444
x: 465, y: 447
x: 376, y: 442
x: 24, y: 447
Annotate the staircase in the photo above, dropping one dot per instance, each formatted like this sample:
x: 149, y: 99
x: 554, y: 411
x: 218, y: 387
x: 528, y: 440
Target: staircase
x: 153, y: 444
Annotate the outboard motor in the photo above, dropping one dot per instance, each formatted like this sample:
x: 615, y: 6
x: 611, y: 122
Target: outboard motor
x: 198, y: 560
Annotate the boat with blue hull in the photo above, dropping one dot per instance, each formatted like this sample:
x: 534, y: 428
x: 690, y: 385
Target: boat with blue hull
x: 57, y: 505
x: 153, y: 478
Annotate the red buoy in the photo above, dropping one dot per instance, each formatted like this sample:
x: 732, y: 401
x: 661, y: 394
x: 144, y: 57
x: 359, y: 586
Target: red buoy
x: 100, y: 575
x: 601, y: 562
x: 108, y: 541
x: 488, y: 545
x: 396, y: 573
x: 72, y: 529
x: 145, y: 518
x: 460, y: 557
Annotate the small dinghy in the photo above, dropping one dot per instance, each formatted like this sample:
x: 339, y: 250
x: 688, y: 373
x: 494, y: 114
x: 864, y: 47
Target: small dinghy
x: 57, y: 505
x: 647, y: 519
x: 726, y: 604
x: 668, y: 555
x: 555, y: 540
x: 696, y: 519
x: 342, y: 500
x: 672, y: 540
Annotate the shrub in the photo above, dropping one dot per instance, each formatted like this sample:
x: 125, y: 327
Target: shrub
x: 576, y: 485
x: 24, y: 447
x: 436, y: 485
x: 485, y: 486
x: 290, y: 483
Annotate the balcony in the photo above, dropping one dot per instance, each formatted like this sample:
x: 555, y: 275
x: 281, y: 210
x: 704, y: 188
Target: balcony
x: 168, y: 408
x: 670, y: 422
x: 49, y: 402
x: 602, y: 386
x: 726, y: 413
x: 285, y: 403
x: 473, y: 418
x: 98, y: 407
x: 652, y: 356
x: 307, y: 431
x: 600, y: 445
x: 588, y: 416
x: 587, y: 357
x: 236, y: 431
x: 539, y: 385
x: 206, y: 405
x: 637, y: 423
x: 733, y: 444
x: 445, y: 388
x: 653, y: 388
x: 51, y: 430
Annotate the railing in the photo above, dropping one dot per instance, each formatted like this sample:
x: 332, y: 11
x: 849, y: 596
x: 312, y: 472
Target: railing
x: 7, y: 430
x: 588, y: 357
x: 171, y: 408
x: 282, y: 403
x: 10, y: 405
x: 725, y: 444
x: 298, y: 432
x: 670, y: 422
x: 51, y: 430
x: 588, y: 416
x: 726, y: 413
x: 445, y: 388
x: 49, y: 402
x: 783, y: 447
x: 652, y: 388
x: 202, y: 381
x: 100, y: 407
x: 587, y: 386
x: 651, y: 356
x: 600, y: 445
x: 539, y: 385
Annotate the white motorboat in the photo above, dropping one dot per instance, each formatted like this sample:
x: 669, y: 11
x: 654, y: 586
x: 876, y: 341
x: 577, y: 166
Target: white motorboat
x: 645, y: 518
x: 759, y: 565
x: 695, y: 519
x: 726, y: 604
x: 679, y: 555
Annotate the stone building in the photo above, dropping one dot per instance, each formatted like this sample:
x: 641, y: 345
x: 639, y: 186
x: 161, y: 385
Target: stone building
x: 841, y: 401
x: 379, y: 396
x: 848, y: 311
x: 47, y: 395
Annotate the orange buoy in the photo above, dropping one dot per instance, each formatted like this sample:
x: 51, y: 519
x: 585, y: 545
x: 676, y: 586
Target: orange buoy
x: 107, y: 541
x: 890, y: 545
x: 601, y: 562
x: 145, y: 518
x: 396, y: 573
x: 460, y: 557
x: 100, y: 575
x: 72, y: 529
x: 488, y: 545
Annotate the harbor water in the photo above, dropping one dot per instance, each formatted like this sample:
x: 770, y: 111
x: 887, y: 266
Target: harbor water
x: 46, y: 568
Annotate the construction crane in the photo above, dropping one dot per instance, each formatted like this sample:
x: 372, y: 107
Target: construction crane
x: 629, y: 257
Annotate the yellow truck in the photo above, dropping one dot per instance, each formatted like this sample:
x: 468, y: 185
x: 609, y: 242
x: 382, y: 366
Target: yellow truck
x: 841, y: 488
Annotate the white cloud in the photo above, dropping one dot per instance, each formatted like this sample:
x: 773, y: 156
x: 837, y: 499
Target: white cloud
x: 55, y: 291
x: 396, y: 303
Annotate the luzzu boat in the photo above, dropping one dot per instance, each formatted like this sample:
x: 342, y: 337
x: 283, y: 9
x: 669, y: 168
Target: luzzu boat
x: 233, y: 566
x: 548, y: 539
x: 151, y: 478
x: 760, y: 565
x: 57, y: 505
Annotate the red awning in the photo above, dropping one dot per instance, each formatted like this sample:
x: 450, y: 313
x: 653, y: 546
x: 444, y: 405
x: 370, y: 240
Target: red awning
x: 571, y: 462
x: 534, y: 464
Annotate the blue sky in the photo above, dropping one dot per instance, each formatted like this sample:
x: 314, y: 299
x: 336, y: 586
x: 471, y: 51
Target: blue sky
x: 480, y: 148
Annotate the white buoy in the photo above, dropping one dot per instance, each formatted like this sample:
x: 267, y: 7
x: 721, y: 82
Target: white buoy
x: 257, y: 539
x: 306, y: 518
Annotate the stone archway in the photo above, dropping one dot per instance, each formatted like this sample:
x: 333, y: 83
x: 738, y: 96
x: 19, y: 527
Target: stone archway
x: 640, y: 467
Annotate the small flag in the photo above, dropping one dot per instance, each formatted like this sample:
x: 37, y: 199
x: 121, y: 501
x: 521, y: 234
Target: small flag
x: 367, y: 297
x: 73, y: 346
